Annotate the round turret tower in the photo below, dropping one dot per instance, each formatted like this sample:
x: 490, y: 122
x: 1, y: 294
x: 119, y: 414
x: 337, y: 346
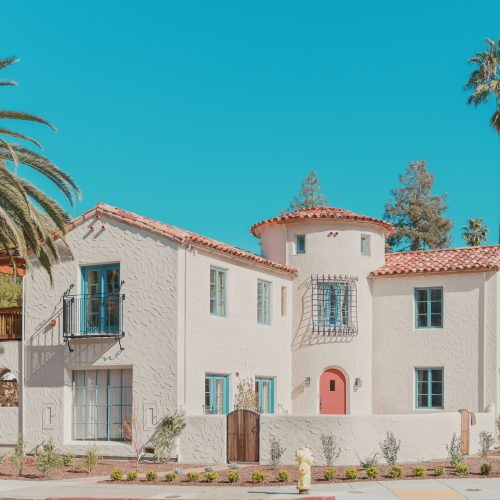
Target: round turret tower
x: 334, y: 251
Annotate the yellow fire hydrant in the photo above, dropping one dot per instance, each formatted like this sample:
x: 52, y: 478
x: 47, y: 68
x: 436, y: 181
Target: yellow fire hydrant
x: 305, y: 460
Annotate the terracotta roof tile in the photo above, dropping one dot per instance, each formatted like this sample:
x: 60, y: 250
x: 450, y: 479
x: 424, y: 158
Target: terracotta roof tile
x: 181, y: 236
x: 485, y: 258
x: 321, y: 213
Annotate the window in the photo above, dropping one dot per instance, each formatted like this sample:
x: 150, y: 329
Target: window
x: 216, y: 394
x: 333, y: 304
x: 102, y: 404
x: 283, y: 300
x: 263, y: 302
x: 429, y: 388
x: 264, y: 391
x: 100, y: 306
x: 365, y: 245
x: 300, y: 243
x: 429, y: 307
x: 217, y: 291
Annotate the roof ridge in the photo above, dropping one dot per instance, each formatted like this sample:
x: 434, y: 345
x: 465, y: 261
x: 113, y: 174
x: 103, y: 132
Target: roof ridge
x: 429, y: 250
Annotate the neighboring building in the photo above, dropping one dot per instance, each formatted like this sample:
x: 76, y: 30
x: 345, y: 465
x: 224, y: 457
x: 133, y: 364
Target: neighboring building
x: 147, y: 318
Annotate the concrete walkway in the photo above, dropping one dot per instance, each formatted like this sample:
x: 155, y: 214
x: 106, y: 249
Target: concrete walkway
x: 458, y: 489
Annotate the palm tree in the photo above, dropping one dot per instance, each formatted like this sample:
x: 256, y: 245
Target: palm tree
x: 475, y: 232
x: 29, y: 218
x: 485, y: 79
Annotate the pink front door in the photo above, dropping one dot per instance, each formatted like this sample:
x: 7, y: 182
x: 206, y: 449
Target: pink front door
x: 332, y: 392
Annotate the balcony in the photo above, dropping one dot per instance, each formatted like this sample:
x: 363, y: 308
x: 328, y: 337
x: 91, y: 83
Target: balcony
x: 93, y: 315
x: 11, y: 321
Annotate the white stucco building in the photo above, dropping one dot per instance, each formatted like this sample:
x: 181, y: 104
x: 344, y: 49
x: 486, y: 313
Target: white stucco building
x: 145, y: 318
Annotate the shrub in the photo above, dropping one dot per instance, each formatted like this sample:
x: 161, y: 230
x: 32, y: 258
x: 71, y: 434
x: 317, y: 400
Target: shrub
x: 209, y: 469
x: 48, y: 459
x: 462, y: 469
x: 486, y: 442
x: 116, y: 475
x: 211, y: 476
x: 179, y: 471
x: 258, y: 477
x: 283, y: 476
x: 169, y: 429
x: 18, y: 455
x: 151, y: 475
x: 192, y: 477
x: 372, y: 473
x: 275, y: 452
x: 390, y: 448
x: 439, y: 471
x: 330, y: 449
x: 485, y: 469
x: 396, y: 471
x: 369, y: 461
x: 233, y: 466
x: 418, y: 471
x: 329, y: 474
x: 351, y: 474
x: 91, y: 459
x: 170, y: 476
x: 455, y: 455
x: 132, y: 475
x: 233, y: 475
x: 68, y: 459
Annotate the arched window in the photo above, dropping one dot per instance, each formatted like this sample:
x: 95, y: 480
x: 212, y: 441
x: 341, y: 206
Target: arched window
x: 9, y: 392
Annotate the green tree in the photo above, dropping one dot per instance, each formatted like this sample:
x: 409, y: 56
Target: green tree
x: 475, y: 232
x: 309, y: 195
x: 485, y: 79
x: 11, y: 291
x: 417, y: 214
x: 28, y: 217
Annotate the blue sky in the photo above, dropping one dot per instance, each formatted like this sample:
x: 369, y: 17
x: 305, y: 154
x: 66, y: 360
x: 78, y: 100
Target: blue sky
x: 208, y: 115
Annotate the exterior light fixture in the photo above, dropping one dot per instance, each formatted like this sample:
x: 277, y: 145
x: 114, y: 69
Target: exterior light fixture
x: 307, y: 382
x: 358, y: 383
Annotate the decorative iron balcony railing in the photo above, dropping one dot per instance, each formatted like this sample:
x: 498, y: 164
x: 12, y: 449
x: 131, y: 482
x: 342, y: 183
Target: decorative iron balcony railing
x: 93, y: 315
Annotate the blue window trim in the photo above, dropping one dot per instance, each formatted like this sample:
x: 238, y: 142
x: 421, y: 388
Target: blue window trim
x: 325, y: 318
x: 262, y: 285
x: 300, y: 243
x: 415, y: 302
x: 429, y: 389
x: 217, y: 304
x: 225, y: 378
x: 260, y: 403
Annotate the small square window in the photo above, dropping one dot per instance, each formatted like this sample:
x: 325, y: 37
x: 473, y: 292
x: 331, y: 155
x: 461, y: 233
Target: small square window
x: 300, y: 244
x: 365, y: 245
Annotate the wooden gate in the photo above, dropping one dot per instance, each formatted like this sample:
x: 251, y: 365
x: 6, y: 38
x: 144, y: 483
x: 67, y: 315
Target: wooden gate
x: 464, y: 434
x: 243, y: 436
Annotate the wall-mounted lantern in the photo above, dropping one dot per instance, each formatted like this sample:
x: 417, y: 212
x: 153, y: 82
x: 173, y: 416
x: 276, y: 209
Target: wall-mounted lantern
x: 307, y: 382
x: 358, y: 383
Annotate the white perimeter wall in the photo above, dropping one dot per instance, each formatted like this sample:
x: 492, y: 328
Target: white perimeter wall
x: 423, y: 437
x: 203, y: 440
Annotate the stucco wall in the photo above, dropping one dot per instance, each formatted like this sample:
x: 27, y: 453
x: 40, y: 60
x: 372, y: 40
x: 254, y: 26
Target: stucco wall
x: 148, y: 265
x: 466, y: 345
x: 9, y: 426
x: 203, y: 441
x: 235, y: 345
x: 423, y: 437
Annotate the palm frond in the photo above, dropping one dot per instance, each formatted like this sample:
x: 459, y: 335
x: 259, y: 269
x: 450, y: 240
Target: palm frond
x: 13, y: 133
x: 18, y: 115
x: 7, y: 61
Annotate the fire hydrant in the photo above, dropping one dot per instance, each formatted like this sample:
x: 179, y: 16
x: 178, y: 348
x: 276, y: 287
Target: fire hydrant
x: 304, y: 459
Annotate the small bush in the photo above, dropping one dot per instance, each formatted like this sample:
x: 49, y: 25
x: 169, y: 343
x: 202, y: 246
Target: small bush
x: 329, y: 473
x: 283, y: 476
x: 211, y: 476
x: 233, y: 466
x: 486, y: 442
x: 170, y: 476
x: 372, y: 473
x: 48, y: 459
x: 192, y: 477
x: 18, y: 455
x: 67, y: 459
x: 439, y: 471
x: 369, y: 461
x: 485, y: 469
x: 209, y: 469
x: 179, y: 471
x: 233, y: 475
x: 396, y: 471
x: 276, y: 451
x: 132, y: 475
x: 258, y: 477
x: 390, y: 448
x: 351, y: 474
x: 331, y: 450
x: 418, y: 471
x: 455, y: 455
x: 116, y: 475
x: 462, y: 469
x: 91, y: 459
x: 151, y: 475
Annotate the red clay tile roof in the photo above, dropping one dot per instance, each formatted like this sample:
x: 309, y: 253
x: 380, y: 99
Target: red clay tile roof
x: 321, y: 213
x: 181, y: 236
x: 485, y: 258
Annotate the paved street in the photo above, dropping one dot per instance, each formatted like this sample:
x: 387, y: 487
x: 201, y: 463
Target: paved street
x: 470, y: 488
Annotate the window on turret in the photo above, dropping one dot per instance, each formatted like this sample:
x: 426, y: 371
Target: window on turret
x: 300, y: 243
x: 365, y: 245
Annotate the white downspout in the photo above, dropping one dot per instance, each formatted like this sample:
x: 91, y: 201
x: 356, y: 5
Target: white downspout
x: 21, y: 371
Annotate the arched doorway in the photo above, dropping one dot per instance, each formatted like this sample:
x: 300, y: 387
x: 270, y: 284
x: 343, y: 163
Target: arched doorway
x: 332, y: 392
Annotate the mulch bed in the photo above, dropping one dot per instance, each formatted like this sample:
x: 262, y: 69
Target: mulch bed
x: 474, y: 464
